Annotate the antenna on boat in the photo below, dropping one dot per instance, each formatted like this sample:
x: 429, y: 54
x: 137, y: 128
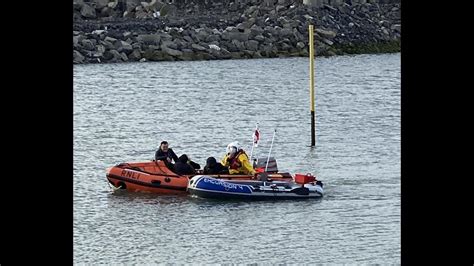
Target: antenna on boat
x: 271, y: 146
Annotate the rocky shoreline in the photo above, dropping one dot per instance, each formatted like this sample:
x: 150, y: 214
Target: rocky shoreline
x: 106, y: 32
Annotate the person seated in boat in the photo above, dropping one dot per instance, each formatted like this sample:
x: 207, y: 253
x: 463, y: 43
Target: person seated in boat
x: 214, y: 168
x: 166, y: 154
x: 237, y: 160
x: 184, y: 166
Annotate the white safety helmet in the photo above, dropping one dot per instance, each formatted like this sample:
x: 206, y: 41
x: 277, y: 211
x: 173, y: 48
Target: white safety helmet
x: 233, y: 147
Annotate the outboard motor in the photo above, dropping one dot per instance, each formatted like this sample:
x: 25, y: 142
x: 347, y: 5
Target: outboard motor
x: 304, y: 179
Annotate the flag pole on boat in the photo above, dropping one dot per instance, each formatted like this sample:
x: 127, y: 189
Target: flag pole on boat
x: 311, y: 81
x: 271, y: 146
x: 255, y: 138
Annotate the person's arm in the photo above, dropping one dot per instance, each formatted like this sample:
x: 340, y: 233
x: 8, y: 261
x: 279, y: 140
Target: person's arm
x: 160, y: 156
x: 225, y: 161
x: 222, y: 169
x: 246, y: 164
x: 173, y: 155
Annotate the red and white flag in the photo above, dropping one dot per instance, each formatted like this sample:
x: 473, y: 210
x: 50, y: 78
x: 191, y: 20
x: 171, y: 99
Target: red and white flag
x: 256, y: 137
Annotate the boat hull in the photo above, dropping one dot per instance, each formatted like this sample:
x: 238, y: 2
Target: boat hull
x: 153, y: 177
x: 209, y: 187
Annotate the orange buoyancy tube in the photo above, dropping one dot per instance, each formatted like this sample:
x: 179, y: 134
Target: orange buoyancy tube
x: 151, y: 176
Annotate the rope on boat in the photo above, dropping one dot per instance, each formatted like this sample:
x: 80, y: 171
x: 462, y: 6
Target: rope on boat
x: 114, y: 188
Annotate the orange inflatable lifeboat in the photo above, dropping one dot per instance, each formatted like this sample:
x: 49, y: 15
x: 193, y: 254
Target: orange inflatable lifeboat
x: 156, y: 177
x: 151, y: 176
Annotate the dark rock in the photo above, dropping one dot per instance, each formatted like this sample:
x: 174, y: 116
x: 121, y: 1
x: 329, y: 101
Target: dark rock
x: 286, y: 32
x: 108, y: 45
x: 225, y: 54
x: 248, y: 53
x: 396, y: 27
x: 267, y: 28
x: 250, y: 10
x: 252, y: 45
x: 328, y: 42
x: 325, y: 33
x: 165, y: 36
x: 77, y: 4
x: 198, y: 47
x: 88, y: 12
x: 149, y: 38
x: 113, y: 4
x: 99, y: 4
x: 213, y: 38
x: 186, y: 56
x: 75, y: 41
x: 168, y: 44
x: 238, y: 45
x: 268, y: 3
x: 110, y: 39
x: 284, y: 46
x: 188, y: 39
x: 105, y: 12
x: 112, y: 54
x: 98, y: 54
x: 135, y: 55
x: 148, y: 54
x: 123, y: 46
x: 153, y: 55
x: 136, y: 45
x: 298, y: 36
x: 130, y: 4
x: 280, y: 8
x: 259, y: 38
x: 140, y: 14
x: 236, y: 55
x: 78, y: 58
x: 100, y: 48
x: 239, y: 36
x: 87, y: 45
x: 164, y: 10
x: 172, y: 52
x: 123, y: 56
x: 255, y: 30
x: 127, y: 34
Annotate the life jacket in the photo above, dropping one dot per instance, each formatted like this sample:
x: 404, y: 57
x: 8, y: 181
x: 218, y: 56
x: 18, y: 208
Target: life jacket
x: 234, y: 163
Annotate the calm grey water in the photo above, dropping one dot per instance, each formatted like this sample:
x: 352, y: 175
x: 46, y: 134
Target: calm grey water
x: 123, y: 111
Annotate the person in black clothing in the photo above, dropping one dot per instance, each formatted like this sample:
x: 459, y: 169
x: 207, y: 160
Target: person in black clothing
x: 213, y: 167
x: 164, y: 153
x: 183, y: 166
